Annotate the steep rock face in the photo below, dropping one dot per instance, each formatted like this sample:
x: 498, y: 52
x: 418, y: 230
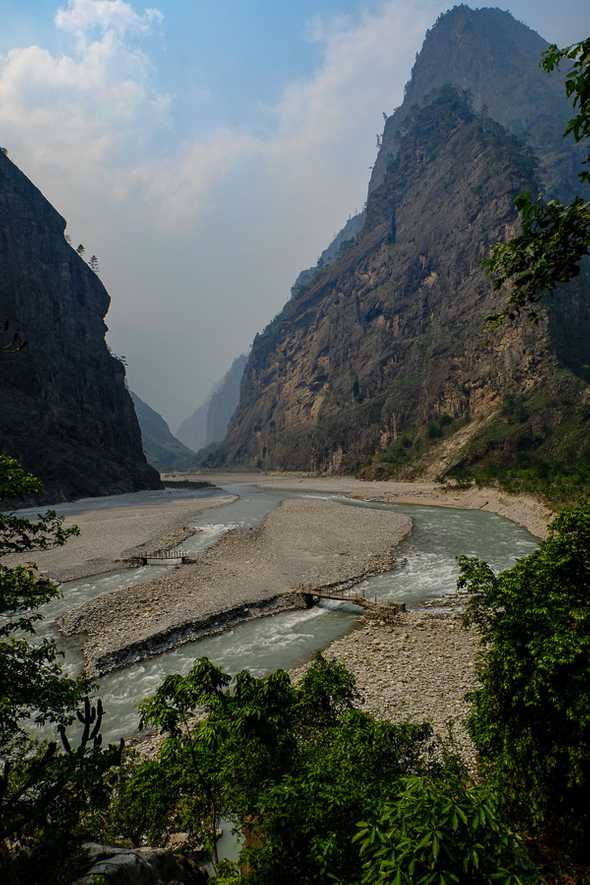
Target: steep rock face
x: 65, y: 411
x: 162, y: 450
x: 342, y: 240
x: 497, y: 60
x: 388, y: 340
x: 224, y: 401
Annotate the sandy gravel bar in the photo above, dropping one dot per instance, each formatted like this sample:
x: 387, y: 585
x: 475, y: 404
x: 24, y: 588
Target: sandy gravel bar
x: 113, y: 534
x: 416, y: 669
x: 525, y: 510
x: 302, y: 542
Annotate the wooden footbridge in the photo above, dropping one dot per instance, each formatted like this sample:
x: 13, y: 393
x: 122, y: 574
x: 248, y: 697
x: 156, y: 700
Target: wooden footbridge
x: 170, y: 556
x: 339, y: 593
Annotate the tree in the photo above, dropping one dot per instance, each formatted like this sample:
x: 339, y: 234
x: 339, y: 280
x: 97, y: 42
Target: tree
x: 295, y: 768
x: 45, y: 792
x: 554, y: 236
x: 81, y: 250
x: 93, y: 264
x: 530, y: 718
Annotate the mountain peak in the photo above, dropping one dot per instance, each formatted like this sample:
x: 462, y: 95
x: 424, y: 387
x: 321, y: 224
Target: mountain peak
x: 495, y: 58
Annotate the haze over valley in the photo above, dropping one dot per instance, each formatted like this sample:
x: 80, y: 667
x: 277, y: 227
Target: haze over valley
x: 294, y: 443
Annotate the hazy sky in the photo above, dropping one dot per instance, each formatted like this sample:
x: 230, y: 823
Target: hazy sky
x: 208, y: 150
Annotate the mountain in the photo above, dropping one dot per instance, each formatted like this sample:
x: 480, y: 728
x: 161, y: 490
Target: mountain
x: 162, y: 450
x: 496, y: 59
x: 224, y: 401
x: 349, y: 232
x: 193, y: 430
x: 65, y: 411
x: 380, y: 360
x: 208, y: 424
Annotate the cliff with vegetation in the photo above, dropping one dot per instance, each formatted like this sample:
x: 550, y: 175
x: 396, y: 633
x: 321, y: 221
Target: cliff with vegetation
x: 381, y: 362
x: 65, y: 411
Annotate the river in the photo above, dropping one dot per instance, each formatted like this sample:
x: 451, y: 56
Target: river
x: 427, y: 569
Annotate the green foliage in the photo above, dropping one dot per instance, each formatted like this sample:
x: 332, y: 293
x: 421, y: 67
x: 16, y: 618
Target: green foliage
x: 31, y: 681
x: 47, y: 796
x: 537, y: 443
x: 441, y: 831
x: 295, y: 767
x: 577, y: 87
x: 400, y: 456
x: 531, y: 716
x: 547, y: 253
x: 554, y: 237
x: 305, y: 822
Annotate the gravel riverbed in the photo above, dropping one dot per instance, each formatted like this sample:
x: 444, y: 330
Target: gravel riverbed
x: 418, y: 668
x: 109, y: 535
x: 303, y: 542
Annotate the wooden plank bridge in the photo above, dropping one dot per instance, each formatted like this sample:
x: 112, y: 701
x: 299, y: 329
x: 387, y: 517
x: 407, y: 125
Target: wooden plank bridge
x: 172, y: 555
x: 372, y: 604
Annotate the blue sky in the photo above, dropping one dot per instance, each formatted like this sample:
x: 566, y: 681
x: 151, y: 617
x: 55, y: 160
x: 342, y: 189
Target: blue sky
x: 208, y: 151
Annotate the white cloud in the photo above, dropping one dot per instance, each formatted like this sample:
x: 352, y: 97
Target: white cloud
x: 317, y: 120
x: 80, y: 17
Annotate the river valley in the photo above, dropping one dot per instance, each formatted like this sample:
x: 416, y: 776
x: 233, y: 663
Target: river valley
x: 426, y: 569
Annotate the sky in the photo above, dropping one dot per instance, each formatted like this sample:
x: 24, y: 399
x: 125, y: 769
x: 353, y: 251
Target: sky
x: 208, y: 150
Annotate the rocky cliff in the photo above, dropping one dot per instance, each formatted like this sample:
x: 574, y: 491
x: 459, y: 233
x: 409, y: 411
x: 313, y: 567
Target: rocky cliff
x: 382, y: 356
x: 162, y: 450
x: 224, y: 401
x: 496, y: 59
x: 65, y: 411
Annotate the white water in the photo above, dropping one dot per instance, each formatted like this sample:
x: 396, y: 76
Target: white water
x: 428, y: 569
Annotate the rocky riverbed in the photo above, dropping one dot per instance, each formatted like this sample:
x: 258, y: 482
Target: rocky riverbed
x: 418, y: 668
x: 112, y: 534
x: 526, y: 510
x: 303, y: 542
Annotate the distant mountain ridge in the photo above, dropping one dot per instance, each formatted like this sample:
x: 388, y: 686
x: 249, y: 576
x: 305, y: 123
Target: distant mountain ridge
x: 208, y: 423
x: 379, y: 361
x: 162, y: 449
x: 65, y: 411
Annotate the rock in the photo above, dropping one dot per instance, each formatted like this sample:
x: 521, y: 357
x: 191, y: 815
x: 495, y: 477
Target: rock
x: 208, y: 424
x: 138, y: 866
x: 384, y: 344
x: 65, y: 411
x: 162, y: 449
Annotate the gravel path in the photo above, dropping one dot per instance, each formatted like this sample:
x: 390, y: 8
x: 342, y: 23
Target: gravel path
x: 302, y: 542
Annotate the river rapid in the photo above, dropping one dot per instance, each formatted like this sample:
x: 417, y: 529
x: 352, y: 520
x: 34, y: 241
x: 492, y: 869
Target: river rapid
x: 427, y: 569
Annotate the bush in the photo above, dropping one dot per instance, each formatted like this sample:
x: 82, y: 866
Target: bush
x: 441, y: 832
x: 531, y: 715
